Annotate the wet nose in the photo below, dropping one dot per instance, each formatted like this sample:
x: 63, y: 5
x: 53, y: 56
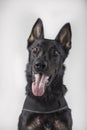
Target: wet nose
x: 40, y: 66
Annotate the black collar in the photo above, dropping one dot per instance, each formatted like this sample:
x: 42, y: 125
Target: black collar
x: 32, y: 105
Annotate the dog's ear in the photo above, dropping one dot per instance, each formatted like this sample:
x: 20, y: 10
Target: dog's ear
x: 37, y: 32
x: 64, y: 36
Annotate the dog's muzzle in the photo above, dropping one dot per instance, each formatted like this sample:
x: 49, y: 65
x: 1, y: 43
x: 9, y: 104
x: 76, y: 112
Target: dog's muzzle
x: 40, y: 77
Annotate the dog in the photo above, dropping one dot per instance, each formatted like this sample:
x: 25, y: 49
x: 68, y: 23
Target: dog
x: 45, y: 107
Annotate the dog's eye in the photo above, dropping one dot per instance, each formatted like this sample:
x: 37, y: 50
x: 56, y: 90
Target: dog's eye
x: 55, y: 53
x: 36, y: 50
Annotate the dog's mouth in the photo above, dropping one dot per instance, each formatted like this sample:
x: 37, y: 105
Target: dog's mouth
x: 39, y: 84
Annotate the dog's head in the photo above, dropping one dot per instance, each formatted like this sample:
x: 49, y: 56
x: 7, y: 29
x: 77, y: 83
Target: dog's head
x: 46, y: 56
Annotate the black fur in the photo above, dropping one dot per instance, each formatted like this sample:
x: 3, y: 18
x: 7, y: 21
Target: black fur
x: 49, y: 55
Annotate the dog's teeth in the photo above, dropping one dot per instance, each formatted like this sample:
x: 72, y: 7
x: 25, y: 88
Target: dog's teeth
x: 47, y: 81
x: 47, y: 77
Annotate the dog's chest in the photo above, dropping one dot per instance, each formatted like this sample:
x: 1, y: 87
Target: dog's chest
x: 50, y: 123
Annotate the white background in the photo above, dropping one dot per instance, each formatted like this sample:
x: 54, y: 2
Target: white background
x: 16, y: 20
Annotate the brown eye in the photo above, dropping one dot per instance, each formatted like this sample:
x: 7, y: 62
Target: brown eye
x: 55, y: 53
x: 36, y: 50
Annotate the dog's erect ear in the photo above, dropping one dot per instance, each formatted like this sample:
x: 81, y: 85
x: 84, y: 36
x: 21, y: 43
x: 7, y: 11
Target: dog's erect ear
x: 37, y: 32
x: 64, y: 36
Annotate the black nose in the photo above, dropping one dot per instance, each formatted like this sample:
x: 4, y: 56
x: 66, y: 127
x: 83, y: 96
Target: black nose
x: 40, y: 66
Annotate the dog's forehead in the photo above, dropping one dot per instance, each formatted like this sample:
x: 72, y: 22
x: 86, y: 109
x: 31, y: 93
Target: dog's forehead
x: 45, y: 43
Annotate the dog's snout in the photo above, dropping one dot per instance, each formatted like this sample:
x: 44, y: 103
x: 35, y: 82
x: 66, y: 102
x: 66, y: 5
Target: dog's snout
x: 40, y: 66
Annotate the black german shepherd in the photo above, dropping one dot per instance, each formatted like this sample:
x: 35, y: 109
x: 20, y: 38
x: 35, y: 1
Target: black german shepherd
x: 45, y: 107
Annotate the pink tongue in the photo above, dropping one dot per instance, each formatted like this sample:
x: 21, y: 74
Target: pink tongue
x: 38, y: 87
